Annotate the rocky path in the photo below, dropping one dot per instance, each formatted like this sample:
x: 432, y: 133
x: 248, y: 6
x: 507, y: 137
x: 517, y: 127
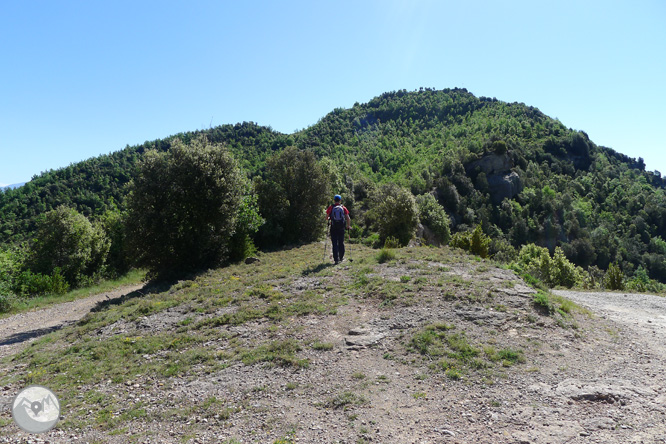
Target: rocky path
x: 20, y: 329
x: 600, y: 381
x: 644, y: 314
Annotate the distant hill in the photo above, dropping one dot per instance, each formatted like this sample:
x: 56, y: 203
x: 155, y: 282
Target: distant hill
x: 12, y: 186
x: 522, y: 175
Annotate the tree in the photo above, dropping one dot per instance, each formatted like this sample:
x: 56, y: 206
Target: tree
x: 393, y: 212
x: 247, y: 224
x: 66, y: 240
x: 182, y: 207
x: 117, y: 260
x: 475, y: 241
x: 433, y: 215
x: 292, y: 196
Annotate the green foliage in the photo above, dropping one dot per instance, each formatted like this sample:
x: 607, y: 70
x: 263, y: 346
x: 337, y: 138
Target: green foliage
x: 393, y: 212
x: 118, y: 261
x: 67, y: 241
x: 598, y: 205
x: 614, y: 279
x: 434, y: 217
x: 11, y: 262
x: 563, y: 272
x: 247, y: 224
x: 392, y: 242
x: 292, y: 196
x: 640, y: 281
x: 555, y: 271
x: 385, y: 255
x: 542, y: 302
x: 475, y: 241
x: 33, y: 284
x: 183, y: 207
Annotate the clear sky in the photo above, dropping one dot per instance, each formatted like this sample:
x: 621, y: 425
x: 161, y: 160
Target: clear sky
x: 83, y: 78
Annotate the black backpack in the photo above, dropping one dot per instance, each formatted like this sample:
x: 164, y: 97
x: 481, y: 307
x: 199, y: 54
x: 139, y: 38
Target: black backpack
x: 337, y: 217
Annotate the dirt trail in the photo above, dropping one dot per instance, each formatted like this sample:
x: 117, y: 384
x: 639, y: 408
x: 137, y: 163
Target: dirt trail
x: 645, y: 314
x: 600, y: 381
x: 19, y: 330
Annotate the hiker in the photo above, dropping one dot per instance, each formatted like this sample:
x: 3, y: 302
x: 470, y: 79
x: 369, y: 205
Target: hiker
x: 338, y: 219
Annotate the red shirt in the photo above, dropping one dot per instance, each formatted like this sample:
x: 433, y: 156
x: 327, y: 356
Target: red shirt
x: 330, y: 208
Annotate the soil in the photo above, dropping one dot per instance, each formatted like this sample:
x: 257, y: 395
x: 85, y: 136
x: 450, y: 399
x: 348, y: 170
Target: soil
x: 597, y: 378
x: 17, y: 331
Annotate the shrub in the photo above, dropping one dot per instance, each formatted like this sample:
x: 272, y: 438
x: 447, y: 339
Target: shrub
x: 476, y: 242
x: 183, y: 206
x: 555, y: 271
x: 563, y: 272
x: 247, y: 225
x: 614, y: 279
x: 11, y: 262
x: 393, y: 212
x: 432, y: 214
x: 5, y: 300
x: 292, y: 196
x: 385, y: 255
x: 502, y: 251
x: 32, y: 284
x: 542, y: 302
x: 66, y: 240
x: 118, y: 261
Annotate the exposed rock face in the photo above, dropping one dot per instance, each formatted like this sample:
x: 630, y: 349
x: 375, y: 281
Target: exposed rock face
x: 502, y: 182
x: 492, y: 164
x: 506, y: 186
x: 426, y: 233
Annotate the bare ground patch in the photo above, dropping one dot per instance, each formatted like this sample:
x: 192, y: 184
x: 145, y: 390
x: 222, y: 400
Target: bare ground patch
x: 420, y: 350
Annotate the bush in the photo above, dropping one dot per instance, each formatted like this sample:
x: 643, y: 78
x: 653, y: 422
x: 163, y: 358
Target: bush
x: 432, y: 215
x: 33, y: 284
x: 555, y: 271
x: 614, y: 279
x: 247, y: 225
x: 563, y: 272
x: 502, y: 251
x: 117, y: 261
x: 385, y: 255
x: 5, y: 300
x: 292, y: 197
x: 543, y: 303
x: 67, y: 241
x: 641, y: 282
x: 476, y: 241
x: 393, y: 212
x: 11, y: 262
x: 183, y: 206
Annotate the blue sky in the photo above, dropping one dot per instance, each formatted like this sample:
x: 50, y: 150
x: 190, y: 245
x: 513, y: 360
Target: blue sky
x: 82, y: 78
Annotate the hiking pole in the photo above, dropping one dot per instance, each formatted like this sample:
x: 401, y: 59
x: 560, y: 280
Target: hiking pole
x: 325, y: 248
x: 349, y: 242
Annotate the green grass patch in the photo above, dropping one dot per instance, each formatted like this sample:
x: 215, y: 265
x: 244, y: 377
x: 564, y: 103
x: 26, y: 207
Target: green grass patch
x: 278, y: 353
x: 322, y: 346
x: 23, y: 304
x: 345, y: 400
x: 453, y: 354
x: 385, y: 255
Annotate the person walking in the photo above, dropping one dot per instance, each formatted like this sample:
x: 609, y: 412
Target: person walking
x: 338, y: 220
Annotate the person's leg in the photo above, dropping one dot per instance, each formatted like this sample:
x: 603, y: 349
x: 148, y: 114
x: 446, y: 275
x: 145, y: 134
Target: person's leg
x: 336, y: 242
x: 341, y: 247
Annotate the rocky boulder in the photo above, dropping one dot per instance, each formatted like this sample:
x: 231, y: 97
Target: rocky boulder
x: 492, y: 164
x: 504, y: 186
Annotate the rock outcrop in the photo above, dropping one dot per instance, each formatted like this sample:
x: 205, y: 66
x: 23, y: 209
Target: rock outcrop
x: 502, y: 182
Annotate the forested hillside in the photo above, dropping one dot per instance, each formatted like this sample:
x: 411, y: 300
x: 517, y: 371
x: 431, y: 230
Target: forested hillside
x: 518, y: 174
